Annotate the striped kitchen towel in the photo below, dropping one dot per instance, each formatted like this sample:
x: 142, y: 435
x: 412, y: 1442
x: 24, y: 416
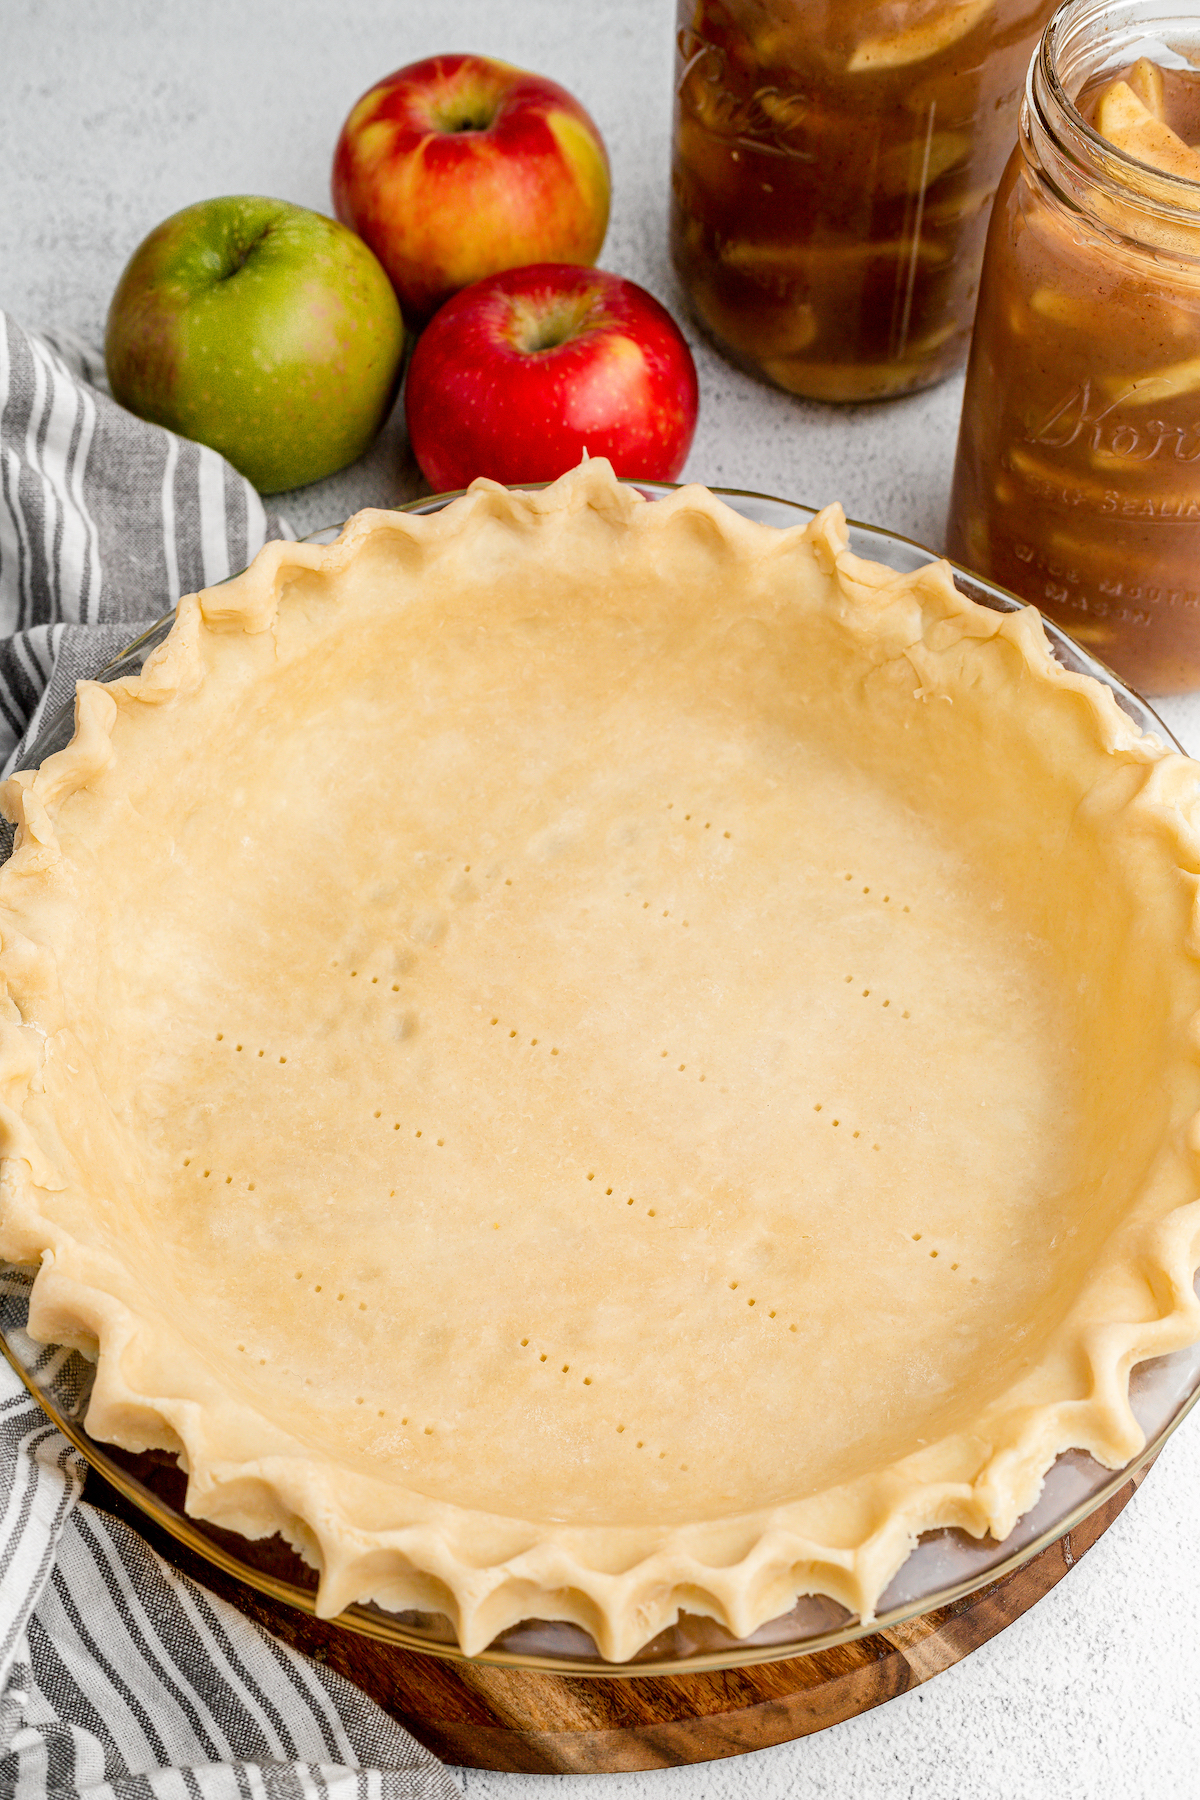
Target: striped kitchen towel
x: 104, y: 522
x: 120, y: 1680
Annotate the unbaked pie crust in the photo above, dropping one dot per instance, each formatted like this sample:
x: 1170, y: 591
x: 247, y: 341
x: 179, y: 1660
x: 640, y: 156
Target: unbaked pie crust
x: 580, y: 1057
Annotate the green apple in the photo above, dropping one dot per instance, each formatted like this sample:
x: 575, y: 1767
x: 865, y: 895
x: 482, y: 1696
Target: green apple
x: 260, y: 328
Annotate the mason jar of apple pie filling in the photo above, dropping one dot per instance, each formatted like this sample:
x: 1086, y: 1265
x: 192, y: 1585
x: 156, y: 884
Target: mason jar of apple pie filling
x: 1077, y: 482
x: 834, y: 163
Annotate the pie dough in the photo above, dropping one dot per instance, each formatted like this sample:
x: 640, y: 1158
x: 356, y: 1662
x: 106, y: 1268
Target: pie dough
x: 580, y: 1058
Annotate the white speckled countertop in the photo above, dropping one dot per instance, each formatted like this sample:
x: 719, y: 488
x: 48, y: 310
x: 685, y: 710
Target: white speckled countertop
x: 113, y: 116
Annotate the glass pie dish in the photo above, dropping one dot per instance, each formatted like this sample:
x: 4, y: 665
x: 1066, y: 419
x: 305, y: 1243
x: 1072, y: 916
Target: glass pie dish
x: 945, y: 1565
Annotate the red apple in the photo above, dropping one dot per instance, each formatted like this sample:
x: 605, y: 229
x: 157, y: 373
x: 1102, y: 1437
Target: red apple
x: 517, y: 376
x: 458, y: 166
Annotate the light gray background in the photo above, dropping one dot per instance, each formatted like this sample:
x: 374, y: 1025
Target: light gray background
x: 113, y: 115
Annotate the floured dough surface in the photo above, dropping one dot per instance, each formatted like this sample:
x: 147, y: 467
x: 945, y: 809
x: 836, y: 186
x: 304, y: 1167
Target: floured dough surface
x: 581, y: 1057
x: 579, y: 1095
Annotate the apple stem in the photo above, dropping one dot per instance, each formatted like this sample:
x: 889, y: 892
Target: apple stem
x: 534, y: 327
x: 470, y: 111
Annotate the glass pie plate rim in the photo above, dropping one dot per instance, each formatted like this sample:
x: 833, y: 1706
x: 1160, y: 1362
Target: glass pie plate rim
x: 944, y: 1567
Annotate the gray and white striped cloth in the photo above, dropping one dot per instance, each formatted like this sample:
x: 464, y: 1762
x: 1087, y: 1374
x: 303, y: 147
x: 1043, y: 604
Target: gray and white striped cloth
x: 119, y: 1679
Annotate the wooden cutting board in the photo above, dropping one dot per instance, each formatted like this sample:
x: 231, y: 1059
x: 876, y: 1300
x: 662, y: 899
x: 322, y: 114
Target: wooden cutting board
x: 499, y: 1718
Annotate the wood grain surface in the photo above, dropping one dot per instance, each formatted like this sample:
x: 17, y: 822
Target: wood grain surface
x: 498, y: 1718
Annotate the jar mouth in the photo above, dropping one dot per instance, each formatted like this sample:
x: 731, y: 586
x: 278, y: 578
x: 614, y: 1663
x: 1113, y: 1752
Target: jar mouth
x: 1083, y: 40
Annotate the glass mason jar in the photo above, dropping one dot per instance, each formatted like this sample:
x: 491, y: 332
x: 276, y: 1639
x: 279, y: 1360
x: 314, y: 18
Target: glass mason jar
x: 1077, y: 482
x: 834, y: 163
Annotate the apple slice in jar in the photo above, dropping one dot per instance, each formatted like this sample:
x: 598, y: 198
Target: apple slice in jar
x: 958, y: 207
x: 770, y: 326
x: 916, y: 43
x: 773, y: 263
x: 1146, y: 80
x: 1121, y: 115
x: 777, y: 33
x: 1075, y: 311
x: 819, y: 380
x: 1170, y: 383
x: 1129, y: 125
x: 913, y: 167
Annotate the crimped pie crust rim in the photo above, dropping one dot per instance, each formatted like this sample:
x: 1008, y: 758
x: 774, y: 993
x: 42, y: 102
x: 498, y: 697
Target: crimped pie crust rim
x: 427, y: 1563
